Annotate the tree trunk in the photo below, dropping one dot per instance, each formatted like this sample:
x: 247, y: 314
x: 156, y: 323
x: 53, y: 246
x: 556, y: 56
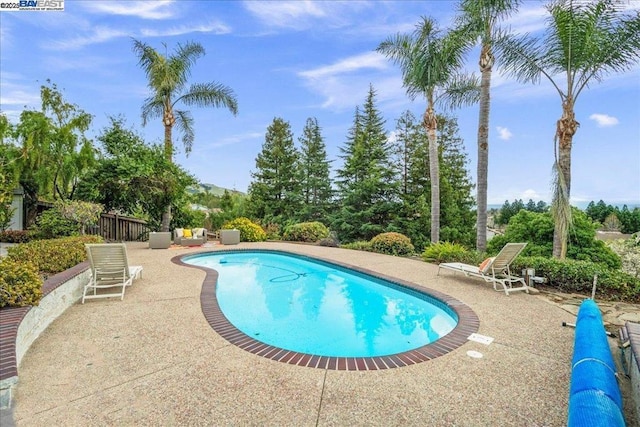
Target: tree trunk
x: 431, y: 125
x: 486, y: 64
x: 565, y: 129
x: 168, y: 121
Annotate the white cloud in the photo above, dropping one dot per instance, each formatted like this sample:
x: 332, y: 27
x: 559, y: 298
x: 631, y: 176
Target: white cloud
x: 98, y: 35
x: 212, y: 27
x: 344, y: 84
x: 303, y: 14
x: 604, y: 120
x: 504, y: 133
x: 14, y: 95
x: 158, y: 9
x: 348, y: 65
x: 528, y: 20
x: 288, y: 14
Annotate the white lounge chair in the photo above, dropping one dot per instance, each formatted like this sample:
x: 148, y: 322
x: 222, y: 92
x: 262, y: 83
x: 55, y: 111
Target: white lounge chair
x: 495, y: 270
x: 109, y: 269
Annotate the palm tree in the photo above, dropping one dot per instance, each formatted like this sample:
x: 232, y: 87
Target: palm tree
x: 582, y: 42
x: 167, y: 76
x: 430, y: 62
x: 479, y: 20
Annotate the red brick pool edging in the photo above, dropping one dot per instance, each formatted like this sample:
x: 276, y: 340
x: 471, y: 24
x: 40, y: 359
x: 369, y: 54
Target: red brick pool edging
x: 468, y: 323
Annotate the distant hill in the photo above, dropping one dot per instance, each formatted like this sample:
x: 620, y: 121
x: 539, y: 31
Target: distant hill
x: 211, y: 188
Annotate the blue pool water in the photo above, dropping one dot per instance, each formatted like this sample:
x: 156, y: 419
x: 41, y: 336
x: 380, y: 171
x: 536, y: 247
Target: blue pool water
x: 322, y: 309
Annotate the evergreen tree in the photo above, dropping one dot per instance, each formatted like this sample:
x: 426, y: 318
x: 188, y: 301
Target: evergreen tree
x: 411, y: 153
x: 457, y: 215
x: 275, y: 190
x: 458, y: 219
x: 366, y: 182
x: 314, y: 172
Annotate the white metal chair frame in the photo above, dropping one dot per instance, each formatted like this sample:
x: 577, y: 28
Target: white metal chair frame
x: 499, y: 269
x: 109, y: 269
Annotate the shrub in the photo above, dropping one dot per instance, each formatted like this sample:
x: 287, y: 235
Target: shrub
x: 306, y: 232
x: 51, y: 224
x: 629, y: 252
x: 358, y: 246
x: 273, y: 231
x: 20, y: 283
x: 15, y: 236
x: 392, y: 244
x: 249, y: 231
x: 537, y: 230
x: 55, y: 255
x: 577, y: 276
x: 450, y: 252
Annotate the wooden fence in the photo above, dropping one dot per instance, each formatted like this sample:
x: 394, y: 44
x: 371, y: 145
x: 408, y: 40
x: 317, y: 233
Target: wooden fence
x: 112, y: 227
x: 116, y: 228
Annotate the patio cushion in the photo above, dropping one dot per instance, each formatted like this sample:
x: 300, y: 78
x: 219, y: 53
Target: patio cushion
x: 187, y: 233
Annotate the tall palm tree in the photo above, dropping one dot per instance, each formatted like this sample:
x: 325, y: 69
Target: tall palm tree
x: 430, y: 61
x: 479, y: 19
x: 583, y: 42
x: 167, y: 76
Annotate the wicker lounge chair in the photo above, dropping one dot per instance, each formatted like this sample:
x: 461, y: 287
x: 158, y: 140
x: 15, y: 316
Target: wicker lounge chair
x: 495, y: 270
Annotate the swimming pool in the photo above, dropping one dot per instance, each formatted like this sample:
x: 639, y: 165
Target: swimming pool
x: 280, y: 304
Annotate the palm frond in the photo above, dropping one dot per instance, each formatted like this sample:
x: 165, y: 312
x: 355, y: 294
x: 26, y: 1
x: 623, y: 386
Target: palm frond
x: 210, y: 94
x: 184, y: 123
x: 461, y: 90
x: 152, y: 108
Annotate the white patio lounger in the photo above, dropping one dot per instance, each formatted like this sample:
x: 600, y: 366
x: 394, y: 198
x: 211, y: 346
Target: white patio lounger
x: 109, y: 269
x: 495, y: 270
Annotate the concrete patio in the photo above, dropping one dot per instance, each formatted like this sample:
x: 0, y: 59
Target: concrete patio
x: 153, y: 359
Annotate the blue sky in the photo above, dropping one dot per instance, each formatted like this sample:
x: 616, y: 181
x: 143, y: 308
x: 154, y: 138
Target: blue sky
x: 300, y: 59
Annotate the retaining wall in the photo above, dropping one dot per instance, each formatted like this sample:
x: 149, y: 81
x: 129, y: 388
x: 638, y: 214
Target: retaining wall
x: 21, y: 326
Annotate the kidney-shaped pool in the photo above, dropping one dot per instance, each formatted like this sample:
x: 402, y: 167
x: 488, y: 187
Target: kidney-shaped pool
x: 304, y: 306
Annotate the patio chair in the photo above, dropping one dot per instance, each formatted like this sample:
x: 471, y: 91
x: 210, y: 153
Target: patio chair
x: 495, y: 270
x: 109, y: 269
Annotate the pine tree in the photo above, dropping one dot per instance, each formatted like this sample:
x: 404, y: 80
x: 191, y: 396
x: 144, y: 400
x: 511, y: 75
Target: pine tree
x: 366, y: 182
x: 314, y: 172
x: 275, y: 190
x: 457, y: 215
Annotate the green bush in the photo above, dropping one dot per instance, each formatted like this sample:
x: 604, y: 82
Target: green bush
x: 306, y: 232
x: 249, y: 231
x: 577, y: 276
x: 537, y: 230
x: 273, y: 231
x: 15, y: 236
x: 392, y: 243
x: 20, y: 283
x: 55, y: 255
x: 51, y: 224
x: 450, y: 252
x: 362, y: 245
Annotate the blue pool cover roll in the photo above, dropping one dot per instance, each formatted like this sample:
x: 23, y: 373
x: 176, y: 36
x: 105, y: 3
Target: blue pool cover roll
x: 594, y: 396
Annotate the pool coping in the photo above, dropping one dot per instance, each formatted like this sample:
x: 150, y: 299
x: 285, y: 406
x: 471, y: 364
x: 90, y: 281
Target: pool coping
x: 468, y: 323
